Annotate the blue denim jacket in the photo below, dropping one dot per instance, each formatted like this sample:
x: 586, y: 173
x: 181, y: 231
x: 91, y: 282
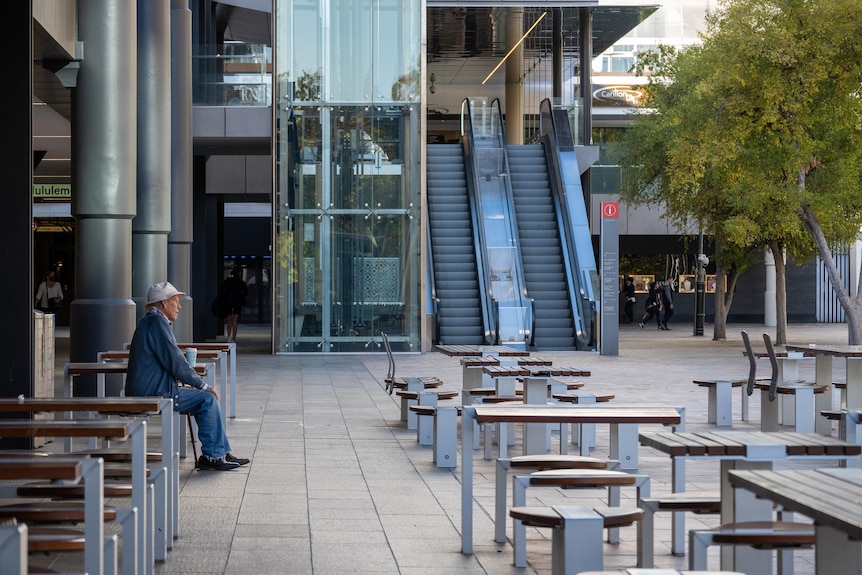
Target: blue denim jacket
x: 156, y: 363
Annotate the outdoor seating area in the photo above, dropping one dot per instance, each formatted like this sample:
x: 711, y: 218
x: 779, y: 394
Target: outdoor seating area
x: 339, y: 484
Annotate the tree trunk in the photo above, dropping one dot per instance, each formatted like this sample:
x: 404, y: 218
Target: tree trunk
x: 850, y: 305
x: 723, y: 298
x: 777, y: 250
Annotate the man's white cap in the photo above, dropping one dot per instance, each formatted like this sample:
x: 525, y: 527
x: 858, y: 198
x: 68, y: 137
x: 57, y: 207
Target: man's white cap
x: 162, y: 291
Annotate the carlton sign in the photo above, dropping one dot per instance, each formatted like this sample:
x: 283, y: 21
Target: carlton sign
x: 617, y: 96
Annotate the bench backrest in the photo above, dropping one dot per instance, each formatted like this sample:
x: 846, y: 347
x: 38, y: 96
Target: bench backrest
x: 773, y: 360
x: 752, y: 363
x: 390, y: 376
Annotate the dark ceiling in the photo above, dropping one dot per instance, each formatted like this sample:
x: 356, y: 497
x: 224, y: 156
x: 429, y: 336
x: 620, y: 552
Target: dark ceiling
x: 462, y: 47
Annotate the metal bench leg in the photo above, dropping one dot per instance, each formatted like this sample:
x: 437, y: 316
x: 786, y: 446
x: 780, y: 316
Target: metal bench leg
x: 698, y: 543
x: 577, y: 546
x: 110, y: 557
x: 646, y: 534
x: 446, y: 437
x: 503, y: 466
x: 769, y: 412
x: 425, y: 425
x: 744, y: 402
x: 13, y: 548
x: 159, y: 480
x: 127, y: 518
x: 720, y: 404
x: 519, y: 532
x: 624, y: 445
x: 803, y: 401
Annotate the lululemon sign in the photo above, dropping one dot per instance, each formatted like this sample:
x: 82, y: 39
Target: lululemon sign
x: 609, y: 248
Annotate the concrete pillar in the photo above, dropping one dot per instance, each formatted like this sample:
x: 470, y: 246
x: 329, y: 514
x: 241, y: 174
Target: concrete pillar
x: 557, y: 58
x: 16, y: 217
x: 769, y: 311
x: 151, y: 225
x: 585, y: 40
x: 514, y: 73
x: 181, y: 230
x: 104, y: 138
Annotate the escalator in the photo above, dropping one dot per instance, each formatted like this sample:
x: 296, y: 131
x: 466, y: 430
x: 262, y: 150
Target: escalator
x: 541, y: 250
x: 521, y: 273
x: 453, y: 253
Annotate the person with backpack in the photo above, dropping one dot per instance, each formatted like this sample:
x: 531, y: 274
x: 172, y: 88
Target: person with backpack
x: 666, y: 303
x: 652, y: 306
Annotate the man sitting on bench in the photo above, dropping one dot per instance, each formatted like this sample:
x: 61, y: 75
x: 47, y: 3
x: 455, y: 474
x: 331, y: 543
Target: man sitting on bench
x: 156, y: 364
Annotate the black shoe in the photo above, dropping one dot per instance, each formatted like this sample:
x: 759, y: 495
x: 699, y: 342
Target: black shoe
x: 231, y: 458
x: 640, y: 323
x: 666, y: 328
x: 661, y: 327
x: 216, y: 464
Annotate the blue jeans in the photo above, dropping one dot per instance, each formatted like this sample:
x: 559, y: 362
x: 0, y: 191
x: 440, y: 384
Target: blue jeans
x: 204, y: 408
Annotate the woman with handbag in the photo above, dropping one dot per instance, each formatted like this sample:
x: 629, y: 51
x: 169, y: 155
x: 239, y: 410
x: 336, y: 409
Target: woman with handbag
x: 233, y: 293
x: 49, y: 295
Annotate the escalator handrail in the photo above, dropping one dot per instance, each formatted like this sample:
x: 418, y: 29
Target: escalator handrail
x: 580, y: 290
x: 489, y: 322
x: 432, y: 286
x: 518, y: 271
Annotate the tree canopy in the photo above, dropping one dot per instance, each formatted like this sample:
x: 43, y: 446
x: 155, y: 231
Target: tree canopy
x: 756, y: 133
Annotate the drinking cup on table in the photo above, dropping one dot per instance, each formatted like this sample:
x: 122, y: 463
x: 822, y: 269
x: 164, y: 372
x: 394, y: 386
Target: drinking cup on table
x: 192, y: 355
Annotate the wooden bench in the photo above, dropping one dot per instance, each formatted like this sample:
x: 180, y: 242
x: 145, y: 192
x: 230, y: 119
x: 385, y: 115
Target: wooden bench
x: 100, y: 549
x: 411, y: 396
x: 557, y: 371
x: 583, y: 398
x: 576, y: 541
x: 720, y: 400
x: 539, y: 462
x: 569, y: 479
x: 803, y: 395
x: 392, y: 382
x: 766, y: 535
x: 637, y: 571
x: 698, y: 502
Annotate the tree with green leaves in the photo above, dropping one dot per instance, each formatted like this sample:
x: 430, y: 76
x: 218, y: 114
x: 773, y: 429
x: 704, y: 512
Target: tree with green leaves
x: 756, y: 135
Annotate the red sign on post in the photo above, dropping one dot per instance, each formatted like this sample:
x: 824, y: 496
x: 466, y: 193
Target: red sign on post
x: 610, y: 210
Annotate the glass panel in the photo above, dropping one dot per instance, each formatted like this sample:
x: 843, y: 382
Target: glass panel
x: 299, y: 49
x: 396, y: 52
x: 346, y: 254
x: 349, y: 69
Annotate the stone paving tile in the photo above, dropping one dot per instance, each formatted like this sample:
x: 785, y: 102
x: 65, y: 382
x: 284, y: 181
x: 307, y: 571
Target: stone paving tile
x: 338, y: 485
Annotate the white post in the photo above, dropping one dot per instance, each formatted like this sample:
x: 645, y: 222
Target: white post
x: 769, y: 311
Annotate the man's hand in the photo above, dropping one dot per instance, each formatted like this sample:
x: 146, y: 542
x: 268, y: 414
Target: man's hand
x: 213, y: 391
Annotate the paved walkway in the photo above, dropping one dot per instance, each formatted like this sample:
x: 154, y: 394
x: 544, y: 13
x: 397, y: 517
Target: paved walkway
x: 337, y: 485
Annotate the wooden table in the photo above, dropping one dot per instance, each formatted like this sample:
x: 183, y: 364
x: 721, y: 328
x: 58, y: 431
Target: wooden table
x: 621, y: 418
x: 480, y: 350
x: 227, y: 361
x: 823, y: 354
x: 13, y: 541
x: 831, y: 497
x: 472, y: 375
x: 94, y: 530
x: 130, y: 406
x: 740, y: 450
x: 205, y: 358
x: 135, y: 431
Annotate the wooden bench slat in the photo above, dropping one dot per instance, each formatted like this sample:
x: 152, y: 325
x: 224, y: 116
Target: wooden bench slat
x: 50, y: 512
x: 765, y: 534
x: 547, y: 517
